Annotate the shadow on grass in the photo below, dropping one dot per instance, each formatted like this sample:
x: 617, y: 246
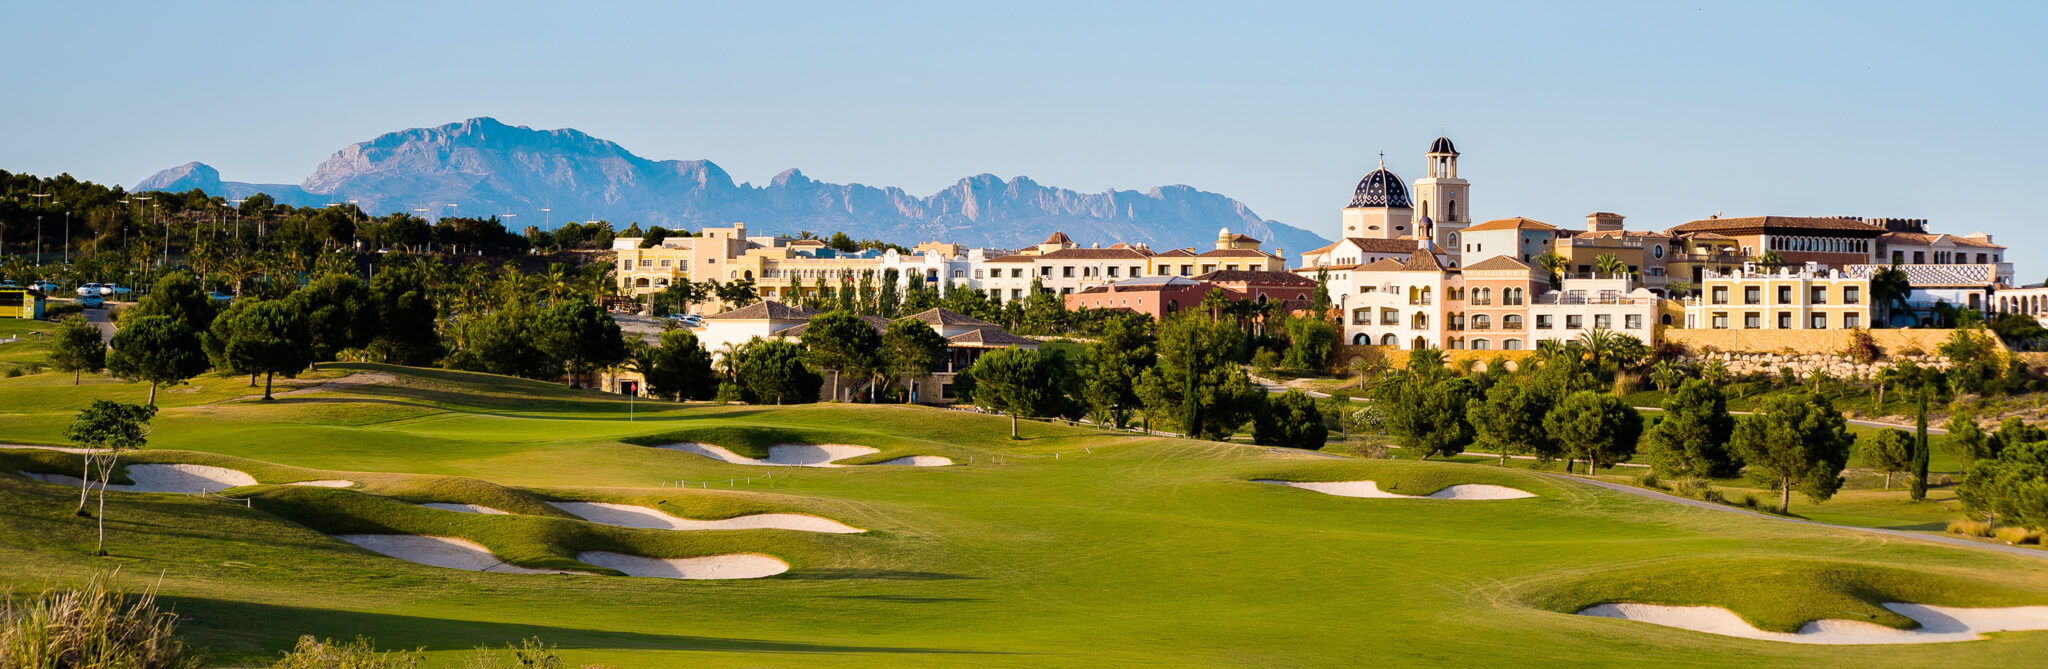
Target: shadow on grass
x: 245, y: 631
x: 1936, y: 526
x: 907, y: 599
x: 871, y: 574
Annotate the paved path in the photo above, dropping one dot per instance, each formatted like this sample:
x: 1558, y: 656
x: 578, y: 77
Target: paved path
x: 2036, y: 553
x: 98, y: 317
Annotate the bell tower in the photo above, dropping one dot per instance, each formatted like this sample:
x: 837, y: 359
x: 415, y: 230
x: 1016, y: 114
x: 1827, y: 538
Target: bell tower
x: 1443, y: 198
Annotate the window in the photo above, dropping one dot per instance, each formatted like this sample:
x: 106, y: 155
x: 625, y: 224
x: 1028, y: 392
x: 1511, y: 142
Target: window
x: 1046, y: 271
x: 1752, y: 320
x: 1784, y: 320
x: 1721, y: 320
x: 1511, y: 322
x: 1016, y: 293
x: 1016, y: 272
x: 1574, y: 322
x: 1112, y: 271
x: 1919, y: 257
x: 1361, y: 316
x: 1720, y: 294
x: 1752, y: 295
x: 977, y: 274
x: 1603, y: 321
x: 1819, y: 322
x: 1187, y: 270
x: 1543, y: 322
x: 1390, y: 316
x: 1898, y: 257
x: 1482, y: 322
x: 1784, y: 294
x: 1067, y: 272
x: 1481, y: 345
x: 1632, y: 322
x: 1511, y: 344
x: 665, y: 263
x: 1820, y: 295
x: 1137, y: 270
x: 1852, y: 321
x: 1852, y: 295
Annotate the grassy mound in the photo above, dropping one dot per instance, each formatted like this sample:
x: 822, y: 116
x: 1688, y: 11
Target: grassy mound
x: 1780, y: 595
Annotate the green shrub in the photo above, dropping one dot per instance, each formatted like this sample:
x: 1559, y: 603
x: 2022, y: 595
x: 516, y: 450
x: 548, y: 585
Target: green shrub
x: 1970, y: 528
x: 529, y: 654
x: 60, y: 310
x: 92, y: 626
x: 1751, y: 501
x: 311, y: 653
x: 2017, y: 535
x: 1649, y: 480
x: 728, y: 392
x: 14, y: 372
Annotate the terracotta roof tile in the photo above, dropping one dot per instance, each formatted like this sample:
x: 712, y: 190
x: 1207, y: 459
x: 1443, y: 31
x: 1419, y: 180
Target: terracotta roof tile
x: 1776, y: 223
x: 1256, y: 278
x: 1516, y: 223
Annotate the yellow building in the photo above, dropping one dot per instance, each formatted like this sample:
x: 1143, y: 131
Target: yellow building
x: 1781, y: 298
x: 20, y: 303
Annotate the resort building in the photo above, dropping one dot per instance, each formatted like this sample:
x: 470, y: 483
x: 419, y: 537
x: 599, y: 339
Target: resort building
x: 1805, y: 297
x: 1155, y: 296
x: 1498, y: 292
x: 1609, y: 302
x: 1522, y: 239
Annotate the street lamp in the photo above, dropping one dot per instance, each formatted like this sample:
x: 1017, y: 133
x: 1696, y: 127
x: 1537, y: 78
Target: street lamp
x: 549, y: 224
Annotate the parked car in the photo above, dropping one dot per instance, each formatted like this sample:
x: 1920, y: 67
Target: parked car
x: 115, y: 290
x: 91, y: 301
x: 46, y: 286
x: 89, y: 289
x: 218, y: 296
x: 7, y: 284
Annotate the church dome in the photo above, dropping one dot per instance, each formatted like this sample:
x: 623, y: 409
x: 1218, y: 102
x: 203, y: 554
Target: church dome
x: 1443, y: 145
x: 1381, y: 188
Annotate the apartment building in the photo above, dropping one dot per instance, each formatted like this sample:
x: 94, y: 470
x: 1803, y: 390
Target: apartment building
x: 1805, y: 297
x: 1610, y: 303
x: 1497, y: 293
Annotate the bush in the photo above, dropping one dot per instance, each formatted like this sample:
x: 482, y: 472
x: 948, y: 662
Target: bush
x: 728, y: 392
x: 2017, y: 535
x: 60, y: 310
x: 92, y: 626
x: 362, y: 653
x: 1751, y: 501
x: 1649, y: 480
x: 1970, y: 528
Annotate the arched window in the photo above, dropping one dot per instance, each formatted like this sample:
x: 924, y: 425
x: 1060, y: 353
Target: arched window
x: 749, y: 275
x: 1420, y: 343
x: 641, y: 282
x: 1511, y: 322
x: 1481, y: 345
x: 1452, y: 213
x: 1360, y: 339
x: 1482, y: 322
x: 1388, y: 341
x: 1511, y: 344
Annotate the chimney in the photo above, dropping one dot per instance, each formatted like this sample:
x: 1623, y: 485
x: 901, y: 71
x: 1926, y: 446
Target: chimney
x: 1601, y: 221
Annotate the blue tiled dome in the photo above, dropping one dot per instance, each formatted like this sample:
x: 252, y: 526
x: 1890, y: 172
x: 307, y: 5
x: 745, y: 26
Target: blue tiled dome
x: 1381, y: 188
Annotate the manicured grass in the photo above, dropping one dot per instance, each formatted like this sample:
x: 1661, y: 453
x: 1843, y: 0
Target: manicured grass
x: 1068, y: 547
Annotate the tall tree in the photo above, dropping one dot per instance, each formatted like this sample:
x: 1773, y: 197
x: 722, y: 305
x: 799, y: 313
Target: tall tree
x: 772, y: 371
x: 1691, y: 439
x: 1011, y: 381
x: 106, y: 429
x: 1795, y: 440
x: 408, y: 332
x: 1920, y: 455
x: 267, y: 337
x: 1595, y: 427
x: 1889, y: 451
x: 1510, y: 421
x: 910, y: 351
x: 1966, y: 440
x: 179, y: 297
x: 341, y: 314
x: 1291, y: 420
x: 1119, y: 358
x: 156, y: 349
x: 844, y: 344
x: 78, y: 348
x: 1197, y: 380
x: 582, y: 336
x: 680, y: 367
x: 2011, y: 488
x: 1426, y: 410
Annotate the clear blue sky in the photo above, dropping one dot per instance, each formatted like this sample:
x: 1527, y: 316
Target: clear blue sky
x: 1662, y: 112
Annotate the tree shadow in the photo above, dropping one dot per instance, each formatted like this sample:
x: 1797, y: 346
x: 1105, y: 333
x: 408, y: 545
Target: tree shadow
x: 870, y: 574
x: 247, y: 631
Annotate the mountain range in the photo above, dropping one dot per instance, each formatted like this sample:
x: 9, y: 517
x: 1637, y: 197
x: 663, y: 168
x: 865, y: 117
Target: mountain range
x: 483, y: 167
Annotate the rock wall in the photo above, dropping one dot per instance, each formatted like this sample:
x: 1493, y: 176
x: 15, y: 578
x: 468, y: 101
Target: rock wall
x: 1804, y: 365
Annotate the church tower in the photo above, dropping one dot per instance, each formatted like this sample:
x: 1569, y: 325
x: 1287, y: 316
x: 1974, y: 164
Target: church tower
x: 1380, y: 208
x: 1444, y: 201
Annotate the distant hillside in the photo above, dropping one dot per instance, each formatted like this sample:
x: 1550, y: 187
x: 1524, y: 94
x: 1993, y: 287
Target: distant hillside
x: 487, y: 167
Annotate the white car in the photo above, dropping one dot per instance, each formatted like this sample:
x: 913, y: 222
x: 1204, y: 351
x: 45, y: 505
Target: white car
x: 92, y: 289
x: 91, y: 301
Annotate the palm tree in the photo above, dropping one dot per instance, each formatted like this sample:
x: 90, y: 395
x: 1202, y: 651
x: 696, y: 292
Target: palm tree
x: 1770, y: 258
x: 1553, y: 263
x: 1666, y: 374
x: 1889, y: 287
x: 1597, y: 345
x: 1715, y: 372
x: 1678, y: 288
x: 1607, y: 263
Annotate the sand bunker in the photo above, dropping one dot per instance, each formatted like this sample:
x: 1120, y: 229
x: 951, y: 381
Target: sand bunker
x: 1938, y: 624
x: 917, y: 461
x: 626, y: 515
x: 187, y: 479
x: 466, y: 508
x: 324, y: 483
x: 741, y: 565
x: 1468, y: 491
x: 781, y: 455
x: 447, y: 552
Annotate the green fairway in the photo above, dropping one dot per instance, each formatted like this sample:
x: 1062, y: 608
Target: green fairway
x: 1068, y: 547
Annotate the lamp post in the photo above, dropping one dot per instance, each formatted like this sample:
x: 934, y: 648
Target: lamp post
x: 39, y: 226
x: 549, y: 223
x: 67, y: 239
